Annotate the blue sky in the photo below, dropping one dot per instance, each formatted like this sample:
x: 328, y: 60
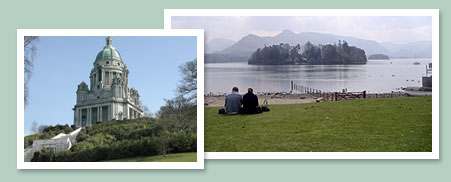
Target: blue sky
x: 61, y: 63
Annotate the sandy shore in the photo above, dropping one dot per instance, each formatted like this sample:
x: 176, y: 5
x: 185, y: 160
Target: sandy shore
x: 219, y: 100
x: 213, y: 100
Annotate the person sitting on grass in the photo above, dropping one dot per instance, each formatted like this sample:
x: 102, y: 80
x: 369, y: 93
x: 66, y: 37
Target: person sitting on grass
x: 233, y: 102
x: 250, y: 103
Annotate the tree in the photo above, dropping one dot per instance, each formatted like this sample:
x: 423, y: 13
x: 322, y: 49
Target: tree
x: 311, y: 54
x: 147, y: 112
x: 182, y: 111
x: 45, y: 155
x: 29, y: 54
x: 36, y: 128
x: 163, y: 127
x: 188, y: 84
x: 183, y: 108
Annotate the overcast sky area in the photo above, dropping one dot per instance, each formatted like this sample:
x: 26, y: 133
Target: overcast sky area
x: 394, y: 29
x: 61, y: 63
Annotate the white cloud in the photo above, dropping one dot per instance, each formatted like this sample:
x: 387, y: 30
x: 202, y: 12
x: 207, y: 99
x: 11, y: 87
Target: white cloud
x: 381, y: 28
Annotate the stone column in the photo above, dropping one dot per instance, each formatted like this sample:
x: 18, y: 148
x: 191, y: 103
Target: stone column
x: 79, y: 117
x: 129, y: 113
x: 89, y: 117
x: 75, y: 117
x: 103, y: 78
x: 100, y: 109
x: 110, y: 113
x: 113, y: 109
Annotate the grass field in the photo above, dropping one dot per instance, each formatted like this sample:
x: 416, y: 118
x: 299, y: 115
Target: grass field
x: 178, y: 157
x: 366, y: 125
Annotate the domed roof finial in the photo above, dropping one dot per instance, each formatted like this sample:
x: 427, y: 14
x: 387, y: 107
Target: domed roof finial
x: 108, y: 52
x: 109, y: 41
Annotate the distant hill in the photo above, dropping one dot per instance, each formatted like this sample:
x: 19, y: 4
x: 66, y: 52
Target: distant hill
x: 226, y: 58
x: 218, y: 45
x: 248, y: 44
x: 419, y: 49
x: 378, y: 56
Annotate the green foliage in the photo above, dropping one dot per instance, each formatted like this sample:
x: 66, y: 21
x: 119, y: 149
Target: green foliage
x: 181, y: 142
x: 45, y: 155
x: 128, y: 138
x: 28, y: 140
x: 321, y: 54
x: 365, y: 125
x: 59, y: 129
x: 178, y: 157
x: 48, y: 133
x: 181, y: 113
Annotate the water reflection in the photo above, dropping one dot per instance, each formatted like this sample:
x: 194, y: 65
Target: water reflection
x: 376, y: 76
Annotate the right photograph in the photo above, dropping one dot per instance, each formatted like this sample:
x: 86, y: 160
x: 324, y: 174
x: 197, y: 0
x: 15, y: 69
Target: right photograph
x: 338, y: 84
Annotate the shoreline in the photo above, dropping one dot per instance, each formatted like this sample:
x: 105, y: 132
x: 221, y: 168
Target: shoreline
x: 273, y: 98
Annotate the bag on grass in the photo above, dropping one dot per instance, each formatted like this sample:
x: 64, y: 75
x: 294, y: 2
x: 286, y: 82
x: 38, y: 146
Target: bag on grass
x: 265, y: 107
x: 221, y: 111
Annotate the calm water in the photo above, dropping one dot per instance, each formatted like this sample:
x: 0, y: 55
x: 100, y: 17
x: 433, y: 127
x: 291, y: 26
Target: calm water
x: 375, y: 76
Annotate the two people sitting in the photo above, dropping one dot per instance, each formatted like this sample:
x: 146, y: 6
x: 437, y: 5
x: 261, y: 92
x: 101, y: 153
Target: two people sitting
x: 234, y: 100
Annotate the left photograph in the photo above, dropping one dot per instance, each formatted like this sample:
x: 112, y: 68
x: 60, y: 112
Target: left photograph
x: 110, y: 99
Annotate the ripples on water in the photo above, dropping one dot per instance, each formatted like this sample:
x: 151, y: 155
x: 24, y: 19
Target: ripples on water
x: 376, y: 76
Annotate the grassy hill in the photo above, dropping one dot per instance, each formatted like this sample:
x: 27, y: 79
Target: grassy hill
x: 179, y: 157
x: 112, y: 140
x: 367, y: 125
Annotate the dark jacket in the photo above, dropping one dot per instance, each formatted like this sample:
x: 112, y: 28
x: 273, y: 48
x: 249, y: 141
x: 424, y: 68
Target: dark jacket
x: 250, y: 103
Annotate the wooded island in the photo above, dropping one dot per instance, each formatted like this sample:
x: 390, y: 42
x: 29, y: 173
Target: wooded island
x: 284, y: 54
x: 378, y: 56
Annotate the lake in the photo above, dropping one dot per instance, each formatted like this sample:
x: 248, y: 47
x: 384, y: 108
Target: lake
x: 377, y: 76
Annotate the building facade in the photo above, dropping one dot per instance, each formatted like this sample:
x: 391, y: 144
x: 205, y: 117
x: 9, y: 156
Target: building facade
x: 108, y: 96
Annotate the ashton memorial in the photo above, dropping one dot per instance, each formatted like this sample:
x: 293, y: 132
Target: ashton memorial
x: 108, y: 96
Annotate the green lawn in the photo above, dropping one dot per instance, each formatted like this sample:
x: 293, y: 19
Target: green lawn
x: 370, y: 125
x: 178, y: 157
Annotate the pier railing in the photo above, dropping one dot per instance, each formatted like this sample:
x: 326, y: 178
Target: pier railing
x: 325, y: 96
x: 349, y: 95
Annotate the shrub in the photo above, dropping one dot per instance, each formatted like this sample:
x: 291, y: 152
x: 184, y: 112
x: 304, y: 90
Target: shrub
x: 45, y: 155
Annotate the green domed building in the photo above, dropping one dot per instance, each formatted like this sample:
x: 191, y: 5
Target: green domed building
x: 108, y: 96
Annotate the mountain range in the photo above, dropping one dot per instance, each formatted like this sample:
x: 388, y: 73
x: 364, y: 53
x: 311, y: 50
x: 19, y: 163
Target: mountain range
x: 223, y: 50
x: 218, y: 44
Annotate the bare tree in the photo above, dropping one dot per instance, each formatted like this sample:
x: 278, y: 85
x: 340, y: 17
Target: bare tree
x: 29, y: 55
x: 180, y: 110
x: 188, y: 84
x: 147, y: 112
x: 36, y: 128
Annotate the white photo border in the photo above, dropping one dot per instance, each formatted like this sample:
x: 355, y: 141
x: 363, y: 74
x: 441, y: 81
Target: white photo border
x: 434, y: 13
x: 199, y: 164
